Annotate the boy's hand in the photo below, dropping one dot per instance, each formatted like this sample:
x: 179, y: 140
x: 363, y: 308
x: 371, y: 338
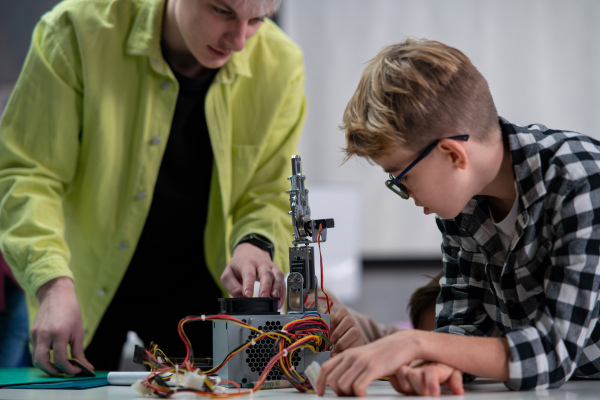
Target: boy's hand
x: 344, y: 331
x: 350, y: 372
x: 425, y: 379
x: 250, y: 264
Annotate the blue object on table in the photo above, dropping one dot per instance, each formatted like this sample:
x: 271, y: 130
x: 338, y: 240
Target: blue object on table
x: 33, y: 378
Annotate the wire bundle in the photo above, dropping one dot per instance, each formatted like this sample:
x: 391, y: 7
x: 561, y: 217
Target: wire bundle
x: 167, y: 378
x: 311, y: 332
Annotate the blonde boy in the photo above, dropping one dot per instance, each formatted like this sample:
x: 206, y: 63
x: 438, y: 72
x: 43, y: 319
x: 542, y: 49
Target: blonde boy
x: 519, y: 212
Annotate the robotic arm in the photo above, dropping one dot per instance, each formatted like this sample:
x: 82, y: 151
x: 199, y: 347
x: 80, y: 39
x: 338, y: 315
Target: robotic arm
x: 302, y: 280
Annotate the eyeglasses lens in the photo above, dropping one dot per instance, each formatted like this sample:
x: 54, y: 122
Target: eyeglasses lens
x: 397, y: 188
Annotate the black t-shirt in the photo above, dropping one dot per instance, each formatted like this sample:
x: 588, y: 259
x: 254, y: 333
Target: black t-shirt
x: 167, y: 278
x: 171, y: 244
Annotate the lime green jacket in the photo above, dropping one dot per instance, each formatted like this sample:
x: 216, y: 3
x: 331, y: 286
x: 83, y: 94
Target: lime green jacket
x: 83, y: 134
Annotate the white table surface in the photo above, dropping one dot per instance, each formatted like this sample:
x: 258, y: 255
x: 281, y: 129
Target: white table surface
x: 483, y: 389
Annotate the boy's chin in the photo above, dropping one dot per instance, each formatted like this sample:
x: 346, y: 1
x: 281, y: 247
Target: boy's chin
x: 447, y: 214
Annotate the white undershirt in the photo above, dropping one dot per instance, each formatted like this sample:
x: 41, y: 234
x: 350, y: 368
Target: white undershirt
x: 507, y: 227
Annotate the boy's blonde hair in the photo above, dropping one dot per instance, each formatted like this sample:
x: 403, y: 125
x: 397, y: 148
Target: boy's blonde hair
x: 413, y: 93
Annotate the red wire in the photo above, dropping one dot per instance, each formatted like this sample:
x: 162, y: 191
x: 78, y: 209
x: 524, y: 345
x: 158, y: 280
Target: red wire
x: 302, y: 331
x: 321, y: 258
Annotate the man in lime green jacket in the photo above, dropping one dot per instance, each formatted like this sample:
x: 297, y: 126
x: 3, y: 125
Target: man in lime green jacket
x: 83, y: 143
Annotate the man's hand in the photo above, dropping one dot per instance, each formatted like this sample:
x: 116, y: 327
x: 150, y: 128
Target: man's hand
x: 250, y: 264
x: 344, y: 331
x: 425, y: 379
x: 58, y: 324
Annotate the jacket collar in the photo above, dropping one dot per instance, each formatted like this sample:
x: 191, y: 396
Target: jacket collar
x: 145, y: 36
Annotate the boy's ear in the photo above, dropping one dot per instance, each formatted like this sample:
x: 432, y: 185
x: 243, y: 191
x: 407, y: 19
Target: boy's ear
x: 455, y: 152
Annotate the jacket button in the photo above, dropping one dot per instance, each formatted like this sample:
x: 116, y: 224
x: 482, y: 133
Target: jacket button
x: 123, y: 245
x: 141, y: 195
x: 166, y: 86
x: 156, y: 140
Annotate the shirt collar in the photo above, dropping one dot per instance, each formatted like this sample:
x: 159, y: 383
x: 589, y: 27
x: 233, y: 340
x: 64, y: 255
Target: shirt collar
x: 527, y: 164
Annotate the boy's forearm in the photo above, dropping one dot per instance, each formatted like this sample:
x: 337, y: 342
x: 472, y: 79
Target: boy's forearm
x: 481, y: 356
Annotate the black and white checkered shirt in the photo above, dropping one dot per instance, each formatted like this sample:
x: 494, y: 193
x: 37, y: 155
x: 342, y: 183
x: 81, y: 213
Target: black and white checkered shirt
x: 543, y: 294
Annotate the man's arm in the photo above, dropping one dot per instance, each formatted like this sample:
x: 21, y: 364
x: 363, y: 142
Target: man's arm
x: 38, y: 156
x: 263, y: 206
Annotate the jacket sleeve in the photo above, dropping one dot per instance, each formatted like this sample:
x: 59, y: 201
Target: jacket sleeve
x: 264, y: 206
x: 38, y: 152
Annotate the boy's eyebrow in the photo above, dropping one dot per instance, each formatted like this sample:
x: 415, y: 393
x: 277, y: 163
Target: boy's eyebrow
x: 389, y: 170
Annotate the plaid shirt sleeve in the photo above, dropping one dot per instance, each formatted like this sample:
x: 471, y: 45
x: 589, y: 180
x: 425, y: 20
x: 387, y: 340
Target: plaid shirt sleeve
x: 544, y: 296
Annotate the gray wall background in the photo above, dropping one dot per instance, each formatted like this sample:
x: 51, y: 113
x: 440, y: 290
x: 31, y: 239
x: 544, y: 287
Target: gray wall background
x: 540, y: 57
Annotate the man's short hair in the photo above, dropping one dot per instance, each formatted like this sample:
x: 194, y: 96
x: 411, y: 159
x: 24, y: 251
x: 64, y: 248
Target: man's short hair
x: 413, y: 93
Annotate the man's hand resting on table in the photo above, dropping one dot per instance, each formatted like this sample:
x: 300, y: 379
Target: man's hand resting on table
x: 58, y: 324
x: 250, y: 264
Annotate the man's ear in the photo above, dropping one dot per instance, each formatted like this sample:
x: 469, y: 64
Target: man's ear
x: 455, y: 152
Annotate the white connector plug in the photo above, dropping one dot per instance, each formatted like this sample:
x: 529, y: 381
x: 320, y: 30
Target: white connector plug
x: 140, y: 388
x: 312, y: 372
x: 194, y: 380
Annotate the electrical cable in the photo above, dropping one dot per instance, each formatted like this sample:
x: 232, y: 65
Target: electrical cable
x: 165, y: 379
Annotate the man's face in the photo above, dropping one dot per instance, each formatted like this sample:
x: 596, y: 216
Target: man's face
x: 212, y: 30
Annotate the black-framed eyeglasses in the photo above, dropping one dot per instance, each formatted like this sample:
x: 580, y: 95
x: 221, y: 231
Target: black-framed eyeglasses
x: 394, y: 182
